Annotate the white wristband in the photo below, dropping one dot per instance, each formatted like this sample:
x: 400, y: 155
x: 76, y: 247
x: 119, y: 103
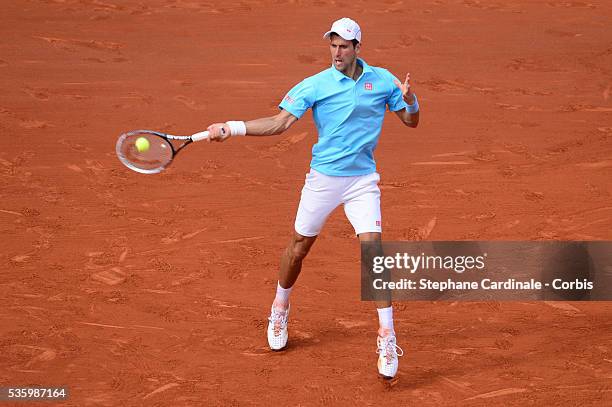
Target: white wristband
x: 413, y: 108
x: 237, y: 128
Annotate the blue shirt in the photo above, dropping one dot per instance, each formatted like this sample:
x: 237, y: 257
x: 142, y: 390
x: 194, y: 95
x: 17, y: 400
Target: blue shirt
x: 348, y: 115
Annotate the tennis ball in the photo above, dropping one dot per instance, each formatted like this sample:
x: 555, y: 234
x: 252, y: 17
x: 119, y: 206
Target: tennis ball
x: 142, y: 144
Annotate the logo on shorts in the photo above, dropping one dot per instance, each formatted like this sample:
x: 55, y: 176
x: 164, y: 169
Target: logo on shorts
x: 377, y: 223
x: 289, y: 99
x: 368, y: 86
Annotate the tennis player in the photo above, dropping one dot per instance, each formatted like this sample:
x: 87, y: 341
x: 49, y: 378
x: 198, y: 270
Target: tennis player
x: 348, y: 101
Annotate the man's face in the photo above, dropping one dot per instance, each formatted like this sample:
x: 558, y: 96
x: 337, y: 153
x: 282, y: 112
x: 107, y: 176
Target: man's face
x: 343, y: 52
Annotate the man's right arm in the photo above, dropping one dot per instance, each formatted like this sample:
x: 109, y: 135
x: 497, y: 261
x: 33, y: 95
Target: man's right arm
x: 266, y: 126
x: 270, y: 126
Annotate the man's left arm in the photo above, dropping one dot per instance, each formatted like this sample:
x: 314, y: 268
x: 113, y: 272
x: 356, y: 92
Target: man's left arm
x: 409, y: 116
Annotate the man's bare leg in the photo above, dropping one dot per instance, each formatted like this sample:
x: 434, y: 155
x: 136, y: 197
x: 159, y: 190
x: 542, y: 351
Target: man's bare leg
x: 291, y: 266
x: 375, y: 237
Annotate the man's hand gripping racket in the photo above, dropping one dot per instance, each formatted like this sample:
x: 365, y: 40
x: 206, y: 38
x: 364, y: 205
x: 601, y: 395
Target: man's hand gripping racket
x: 150, y: 152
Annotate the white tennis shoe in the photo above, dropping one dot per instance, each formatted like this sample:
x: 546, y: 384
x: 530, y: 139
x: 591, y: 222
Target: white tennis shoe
x: 277, y: 328
x: 387, y: 355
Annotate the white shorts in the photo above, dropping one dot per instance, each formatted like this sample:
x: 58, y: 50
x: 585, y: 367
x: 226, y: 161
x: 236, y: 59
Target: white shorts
x: 323, y: 193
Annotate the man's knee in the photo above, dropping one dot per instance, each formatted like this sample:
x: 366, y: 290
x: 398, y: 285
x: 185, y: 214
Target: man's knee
x: 300, y: 246
x: 370, y: 237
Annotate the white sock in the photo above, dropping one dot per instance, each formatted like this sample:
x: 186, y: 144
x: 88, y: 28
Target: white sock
x: 385, y: 318
x: 282, y: 296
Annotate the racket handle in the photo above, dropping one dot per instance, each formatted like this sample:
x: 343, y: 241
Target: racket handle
x: 203, y: 135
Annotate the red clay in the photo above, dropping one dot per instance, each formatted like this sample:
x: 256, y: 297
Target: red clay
x: 154, y: 290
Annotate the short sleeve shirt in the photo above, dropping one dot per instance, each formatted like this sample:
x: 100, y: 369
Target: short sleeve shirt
x: 348, y: 115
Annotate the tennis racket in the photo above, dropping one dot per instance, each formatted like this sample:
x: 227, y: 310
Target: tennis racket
x: 153, y: 154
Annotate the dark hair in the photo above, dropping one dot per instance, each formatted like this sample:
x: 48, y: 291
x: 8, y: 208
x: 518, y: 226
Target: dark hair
x: 354, y: 41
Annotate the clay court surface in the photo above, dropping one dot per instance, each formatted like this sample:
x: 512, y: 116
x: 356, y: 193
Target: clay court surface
x: 154, y: 290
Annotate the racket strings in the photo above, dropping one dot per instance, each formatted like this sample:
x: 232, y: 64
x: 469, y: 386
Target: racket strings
x: 149, y: 157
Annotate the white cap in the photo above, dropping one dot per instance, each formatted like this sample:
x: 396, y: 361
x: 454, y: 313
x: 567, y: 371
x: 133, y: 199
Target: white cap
x: 346, y: 28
